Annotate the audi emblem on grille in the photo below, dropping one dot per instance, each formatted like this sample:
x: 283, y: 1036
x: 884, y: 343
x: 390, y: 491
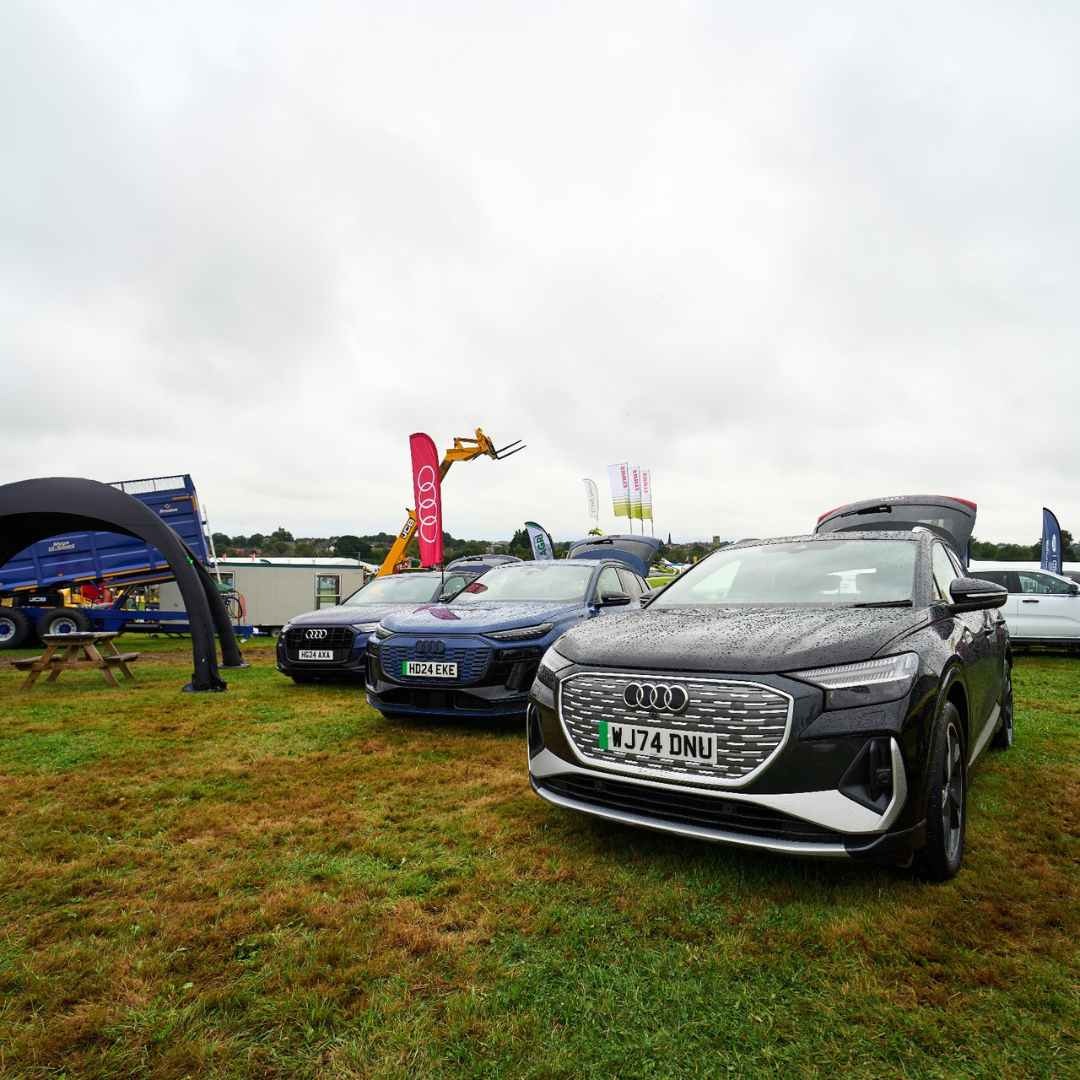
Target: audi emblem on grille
x: 657, y: 696
x: 315, y: 635
x: 430, y: 648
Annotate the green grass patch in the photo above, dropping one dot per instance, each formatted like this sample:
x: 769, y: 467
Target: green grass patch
x: 276, y: 882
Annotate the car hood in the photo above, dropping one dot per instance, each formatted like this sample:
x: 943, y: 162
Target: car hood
x: 738, y: 639
x: 353, y: 615
x: 477, y: 618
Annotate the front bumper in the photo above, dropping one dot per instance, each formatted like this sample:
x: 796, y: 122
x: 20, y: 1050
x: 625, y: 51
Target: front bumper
x: 815, y: 824
x: 349, y: 664
x: 494, y: 680
x: 822, y: 794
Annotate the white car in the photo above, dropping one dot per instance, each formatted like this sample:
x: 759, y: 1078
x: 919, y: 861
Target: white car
x: 1042, y: 607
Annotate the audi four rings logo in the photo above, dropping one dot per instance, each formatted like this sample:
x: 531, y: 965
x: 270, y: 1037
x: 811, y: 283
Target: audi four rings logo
x: 658, y: 696
x: 315, y: 635
x: 430, y: 648
x: 425, y: 506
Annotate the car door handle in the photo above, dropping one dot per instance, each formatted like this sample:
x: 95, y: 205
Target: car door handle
x: 1029, y: 601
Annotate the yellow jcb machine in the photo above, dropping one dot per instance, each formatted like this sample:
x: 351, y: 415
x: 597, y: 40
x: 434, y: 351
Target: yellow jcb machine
x: 464, y: 449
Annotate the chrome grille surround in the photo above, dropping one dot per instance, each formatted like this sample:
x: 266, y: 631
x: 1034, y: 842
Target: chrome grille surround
x: 750, y: 720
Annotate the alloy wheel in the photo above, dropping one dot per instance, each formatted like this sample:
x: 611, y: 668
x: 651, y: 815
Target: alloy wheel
x: 952, y: 793
x: 1008, y: 709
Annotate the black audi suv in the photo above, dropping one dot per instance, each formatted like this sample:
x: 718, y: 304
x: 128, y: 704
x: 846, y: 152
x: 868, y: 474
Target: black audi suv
x: 821, y: 695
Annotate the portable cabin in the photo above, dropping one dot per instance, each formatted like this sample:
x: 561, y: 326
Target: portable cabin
x: 273, y: 590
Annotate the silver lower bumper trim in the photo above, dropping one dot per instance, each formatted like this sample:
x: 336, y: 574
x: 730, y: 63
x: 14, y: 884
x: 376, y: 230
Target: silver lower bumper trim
x: 829, y: 809
x: 697, y: 832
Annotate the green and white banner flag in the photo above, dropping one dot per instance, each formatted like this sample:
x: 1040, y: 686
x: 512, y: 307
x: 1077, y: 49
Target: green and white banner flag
x: 635, y: 492
x: 646, y: 494
x: 619, y: 479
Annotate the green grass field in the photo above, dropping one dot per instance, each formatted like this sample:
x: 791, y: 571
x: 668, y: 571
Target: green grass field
x: 275, y: 882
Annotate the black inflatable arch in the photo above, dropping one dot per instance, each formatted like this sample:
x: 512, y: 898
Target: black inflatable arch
x: 33, y: 510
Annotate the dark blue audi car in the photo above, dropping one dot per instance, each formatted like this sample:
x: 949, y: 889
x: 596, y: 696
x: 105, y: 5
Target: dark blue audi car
x: 478, y: 654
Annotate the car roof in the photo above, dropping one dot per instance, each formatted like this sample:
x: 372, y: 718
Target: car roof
x: 490, y: 556
x: 536, y: 564
x: 425, y: 574
x: 978, y: 565
x: 910, y: 535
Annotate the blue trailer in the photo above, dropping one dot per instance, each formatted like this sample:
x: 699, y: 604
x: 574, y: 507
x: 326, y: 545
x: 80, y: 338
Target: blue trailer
x: 31, y: 583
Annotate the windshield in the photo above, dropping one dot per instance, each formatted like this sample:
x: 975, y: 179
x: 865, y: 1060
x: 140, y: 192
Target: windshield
x: 810, y: 572
x: 555, y: 582
x: 396, y: 589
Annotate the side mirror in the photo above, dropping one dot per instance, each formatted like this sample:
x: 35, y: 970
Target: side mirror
x: 973, y: 594
x: 614, y: 599
x: 1074, y: 590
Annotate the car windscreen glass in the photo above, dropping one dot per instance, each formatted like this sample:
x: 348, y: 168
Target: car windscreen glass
x: 807, y: 572
x: 395, y: 589
x: 555, y: 582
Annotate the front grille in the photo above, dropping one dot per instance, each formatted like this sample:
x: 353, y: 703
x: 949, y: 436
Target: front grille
x: 687, y: 808
x: 472, y: 662
x: 338, y: 638
x: 749, y: 723
x: 440, y: 700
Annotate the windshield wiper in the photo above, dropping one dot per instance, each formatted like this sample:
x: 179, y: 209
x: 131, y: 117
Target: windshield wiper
x: 886, y: 603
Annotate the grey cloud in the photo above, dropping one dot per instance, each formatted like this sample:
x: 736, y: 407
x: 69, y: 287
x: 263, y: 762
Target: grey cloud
x: 784, y: 257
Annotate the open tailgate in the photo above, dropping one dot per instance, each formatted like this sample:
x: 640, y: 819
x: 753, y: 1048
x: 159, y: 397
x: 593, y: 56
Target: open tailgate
x: 638, y: 552
x: 950, y: 518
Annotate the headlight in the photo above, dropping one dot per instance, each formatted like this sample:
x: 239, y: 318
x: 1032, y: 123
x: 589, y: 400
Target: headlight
x: 284, y: 628
x: 524, y: 633
x: 364, y: 627
x: 382, y: 633
x: 871, y: 682
x: 550, y: 666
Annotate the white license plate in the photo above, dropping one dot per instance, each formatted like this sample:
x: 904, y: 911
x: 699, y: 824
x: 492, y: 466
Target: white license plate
x: 429, y: 669
x: 316, y: 654
x: 658, y: 742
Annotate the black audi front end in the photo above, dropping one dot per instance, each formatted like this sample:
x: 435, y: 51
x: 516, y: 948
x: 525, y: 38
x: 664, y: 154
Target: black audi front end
x: 808, y: 725
x: 323, y: 650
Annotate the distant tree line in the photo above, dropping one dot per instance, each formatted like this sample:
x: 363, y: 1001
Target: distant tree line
x: 374, y: 547
x: 985, y: 549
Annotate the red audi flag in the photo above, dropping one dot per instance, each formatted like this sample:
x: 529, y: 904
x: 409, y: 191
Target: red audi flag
x: 427, y: 491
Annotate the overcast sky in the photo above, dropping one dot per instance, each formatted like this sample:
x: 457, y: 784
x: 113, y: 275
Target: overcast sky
x: 786, y: 259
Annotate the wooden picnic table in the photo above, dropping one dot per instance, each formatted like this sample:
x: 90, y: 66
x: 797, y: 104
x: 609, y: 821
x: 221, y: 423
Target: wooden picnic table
x: 64, y: 652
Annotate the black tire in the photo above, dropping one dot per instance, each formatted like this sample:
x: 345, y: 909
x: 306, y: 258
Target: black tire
x: 1004, y: 736
x: 946, y: 799
x: 14, y: 628
x: 63, y: 620
x: 37, y: 617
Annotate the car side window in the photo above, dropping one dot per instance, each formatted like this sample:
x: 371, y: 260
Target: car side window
x: 453, y: 585
x: 1045, y: 584
x: 998, y: 577
x: 944, y: 572
x: 608, y: 582
x: 630, y: 584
